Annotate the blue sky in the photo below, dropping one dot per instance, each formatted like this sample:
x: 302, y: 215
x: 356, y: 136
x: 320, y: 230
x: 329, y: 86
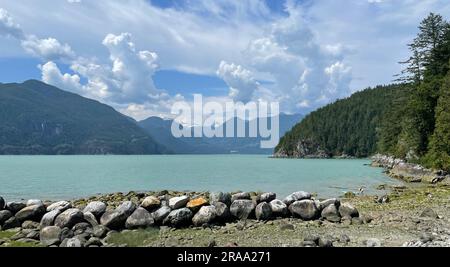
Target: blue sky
x: 141, y: 56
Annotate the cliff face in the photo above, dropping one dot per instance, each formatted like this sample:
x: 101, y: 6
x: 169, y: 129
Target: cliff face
x: 304, y: 149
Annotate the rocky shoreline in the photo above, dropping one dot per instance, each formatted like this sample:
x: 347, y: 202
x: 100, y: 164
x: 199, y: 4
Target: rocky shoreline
x: 409, y: 172
x: 91, y: 222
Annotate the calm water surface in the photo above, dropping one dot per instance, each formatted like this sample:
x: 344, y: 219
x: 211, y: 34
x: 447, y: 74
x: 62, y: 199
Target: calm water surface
x: 67, y: 177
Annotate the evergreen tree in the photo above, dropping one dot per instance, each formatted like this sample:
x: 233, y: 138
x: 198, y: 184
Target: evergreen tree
x: 439, y: 154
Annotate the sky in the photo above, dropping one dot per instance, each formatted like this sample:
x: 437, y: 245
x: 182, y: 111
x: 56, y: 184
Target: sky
x: 142, y: 56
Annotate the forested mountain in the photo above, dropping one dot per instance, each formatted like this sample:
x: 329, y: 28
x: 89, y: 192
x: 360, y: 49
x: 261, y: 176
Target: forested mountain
x: 346, y: 127
x: 410, y: 120
x: 161, y: 130
x: 36, y: 118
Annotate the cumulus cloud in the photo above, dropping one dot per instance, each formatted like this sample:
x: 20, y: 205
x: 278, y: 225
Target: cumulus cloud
x: 8, y: 27
x: 240, y: 80
x: 52, y: 75
x: 48, y: 49
x: 305, y: 74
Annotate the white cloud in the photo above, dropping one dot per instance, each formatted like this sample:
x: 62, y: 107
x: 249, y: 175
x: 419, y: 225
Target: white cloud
x: 52, y: 75
x: 47, y: 49
x: 241, y: 82
x: 8, y: 27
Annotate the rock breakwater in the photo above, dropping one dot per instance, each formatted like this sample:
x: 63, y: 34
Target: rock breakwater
x: 90, y: 222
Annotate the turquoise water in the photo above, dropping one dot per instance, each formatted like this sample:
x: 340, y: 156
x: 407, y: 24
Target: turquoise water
x: 67, y: 177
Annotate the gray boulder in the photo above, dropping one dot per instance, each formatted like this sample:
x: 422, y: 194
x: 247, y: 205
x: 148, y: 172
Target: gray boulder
x: 35, y: 202
x: 99, y: 231
x: 116, y: 219
x: 304, y: 209
x: 151, y: 203
x: 50, y: 235
x: 279, y: 209
x: 90, y: 218
x: 160, y: 214
x: 240, y: 196
x: 140, y: 218
x: 179, y: 218
x: 220, y: 197
x: 178, y: 202
x: 267, y: 197
x: 30, y: 225
x: 15, y: 206
x: 242, y: 209
x: 82, y: 228
x: 49, y: 218
x: 336, y: 202
x: 347, y: 210
x: 296, y: 196
x: 2, y: 203
x: 205, y: 215
x: 69, y: 218
x: 61, y: 206
x: 222, y: 212
x: 331, y: 213
x: 95, y: 207
x: 74, y: 242
x: 5, y: 215
x: 263, y: 211
x: 31, y: 213
x: 11, y: 223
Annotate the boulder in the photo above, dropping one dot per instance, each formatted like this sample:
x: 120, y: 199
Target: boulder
x: 2, y: 203
x: 220, y: 197
x: 33, y: 213
x: 69, y: 218
x: 151, y: 203
x: 74, y: 242
x: 296, y: 196
x: 325, y: 242
x: 196, y: 204
x: 116, y: 219
x: 94, y: 242
x: 99, y: 231
x: 82, y: 228
x: 242, y: 209
x: 205, y: 215
x: 50, y: 235
x: 30, y: 225
x: 160, y: 214
x: 331, y: 213
x: 15, y: 206
x: 347, y: 210
x: 222, y: 212
x: 49, y: 218
x: 12, y: 222
x: 263, y: 211
x: 66, y: 233
x: 95, y: 207
x: 304, y: 209
x: 61, y: 206
x: 90, y: 218
x: 35, y: 202
x: 279, y: 209
x: 178, y: 202
x: 5, y: 215
x: 267, y: 197
x: 179, y: 218
x: 336, y: 202
x: 429, y: 213
x: 140, y: 218
x: 240, y: 196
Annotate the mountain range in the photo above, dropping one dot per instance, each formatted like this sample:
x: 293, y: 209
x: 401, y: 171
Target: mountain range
x: 37, y: 118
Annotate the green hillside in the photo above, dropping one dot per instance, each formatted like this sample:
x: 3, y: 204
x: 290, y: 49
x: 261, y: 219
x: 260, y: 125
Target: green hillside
x: 36, y: 118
